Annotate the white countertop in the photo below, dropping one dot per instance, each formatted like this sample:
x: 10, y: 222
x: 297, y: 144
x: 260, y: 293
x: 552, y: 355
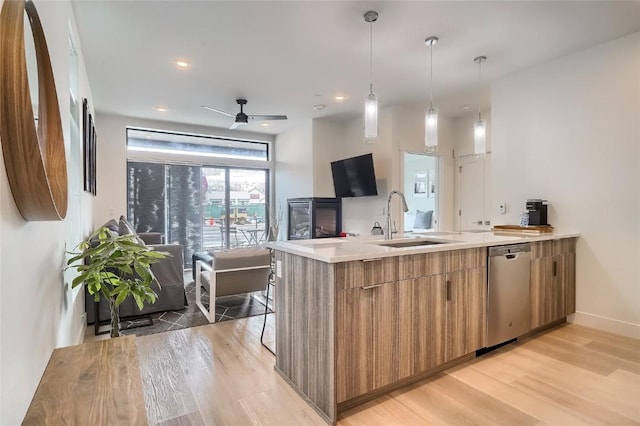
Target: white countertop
x: 335, y: 250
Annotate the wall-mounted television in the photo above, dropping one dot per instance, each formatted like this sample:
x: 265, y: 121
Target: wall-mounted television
x: 354, y: 177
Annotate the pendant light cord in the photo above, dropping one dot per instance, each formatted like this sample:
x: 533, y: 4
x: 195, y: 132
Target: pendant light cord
x: 480, y: 82
x: 431, y: 75
x: 371, y: 57
x: 479, y: 60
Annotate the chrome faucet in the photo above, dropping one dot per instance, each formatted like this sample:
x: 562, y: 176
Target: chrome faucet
x: 387, y: 235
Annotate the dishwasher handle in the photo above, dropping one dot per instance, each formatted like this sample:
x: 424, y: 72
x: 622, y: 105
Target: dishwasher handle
x: 508, y: 250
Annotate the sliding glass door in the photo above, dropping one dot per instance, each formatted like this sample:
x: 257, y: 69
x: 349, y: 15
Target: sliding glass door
x: 234, y: 207
x: 203, y: 192
x: 202, y: 208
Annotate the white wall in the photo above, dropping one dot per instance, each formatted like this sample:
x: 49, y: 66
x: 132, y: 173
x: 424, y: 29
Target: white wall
x: 463, y: 147
x: 294, y: 169
x: 568, y: 131
x: 306, y: 154
x: 326, y: 136
x: 38, y: 309
x: 111, y: 200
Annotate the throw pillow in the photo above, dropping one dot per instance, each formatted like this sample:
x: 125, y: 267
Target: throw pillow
x: 423, y: 219
x: 125, y: 228
x: 409, y: 221
x: 113, y: 226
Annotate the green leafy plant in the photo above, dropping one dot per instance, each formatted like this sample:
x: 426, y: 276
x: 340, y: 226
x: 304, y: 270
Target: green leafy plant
x: 115, y: 267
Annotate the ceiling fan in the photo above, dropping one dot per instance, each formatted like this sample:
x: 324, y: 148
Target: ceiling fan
x: 241, y: 118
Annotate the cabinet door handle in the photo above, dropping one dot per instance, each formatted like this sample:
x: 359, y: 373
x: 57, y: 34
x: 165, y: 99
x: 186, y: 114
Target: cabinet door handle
x: 371, y: 260
x: 555, y: 268
x: 448, y: 290
x: 369, y: 287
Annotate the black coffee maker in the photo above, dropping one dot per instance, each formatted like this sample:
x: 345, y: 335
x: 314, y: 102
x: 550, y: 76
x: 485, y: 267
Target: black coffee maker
x: 537, y: 211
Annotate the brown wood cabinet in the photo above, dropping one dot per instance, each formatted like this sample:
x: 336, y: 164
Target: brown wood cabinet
x: 367, y: 339
x: 388, y: 331
x: 348, y: 331
x: 466, y: 297
x: 552, y: 280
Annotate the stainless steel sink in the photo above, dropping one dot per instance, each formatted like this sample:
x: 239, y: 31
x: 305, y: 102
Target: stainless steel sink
x: 399, y: 244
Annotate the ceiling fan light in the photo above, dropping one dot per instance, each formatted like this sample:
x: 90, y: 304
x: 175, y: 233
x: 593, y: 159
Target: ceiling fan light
x: 370, y: 118
x: 431, y: 129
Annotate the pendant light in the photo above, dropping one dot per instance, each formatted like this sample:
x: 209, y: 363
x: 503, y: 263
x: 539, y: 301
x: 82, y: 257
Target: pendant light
x: 371, y: 100
x: 431, y: 115
x: 480, y: 125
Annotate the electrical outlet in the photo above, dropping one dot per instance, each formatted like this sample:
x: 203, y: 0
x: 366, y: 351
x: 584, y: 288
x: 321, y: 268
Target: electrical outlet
x: 502, y: 208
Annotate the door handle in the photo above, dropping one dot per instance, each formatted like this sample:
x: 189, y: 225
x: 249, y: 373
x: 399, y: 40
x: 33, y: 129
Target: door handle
x: 555, y: 268
x: 448, y: 290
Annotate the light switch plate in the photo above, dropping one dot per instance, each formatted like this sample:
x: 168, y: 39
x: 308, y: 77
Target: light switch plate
x: 502, y: 208
x: 279, y: 268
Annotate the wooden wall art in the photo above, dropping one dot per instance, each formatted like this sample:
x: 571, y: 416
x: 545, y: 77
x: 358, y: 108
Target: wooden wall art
x: 34, y: 157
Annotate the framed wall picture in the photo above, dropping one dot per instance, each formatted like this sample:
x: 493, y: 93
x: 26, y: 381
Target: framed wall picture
x: 431, y: 188
x: 94, y: 142
x: 421, y: 184
x: 86, y: 151
x: 89, y: 143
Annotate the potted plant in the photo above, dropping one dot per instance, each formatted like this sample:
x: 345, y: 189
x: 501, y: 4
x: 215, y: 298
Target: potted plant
x: 275, y: 219
x: 115, y: 267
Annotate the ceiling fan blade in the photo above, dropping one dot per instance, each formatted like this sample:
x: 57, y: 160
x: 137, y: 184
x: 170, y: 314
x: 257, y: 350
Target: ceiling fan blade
x: 218, y: 111
x: 268, y: 117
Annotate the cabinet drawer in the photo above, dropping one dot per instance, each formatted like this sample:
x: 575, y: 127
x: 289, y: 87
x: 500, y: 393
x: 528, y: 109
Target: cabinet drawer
x: 552, y: 247
x: 426, y: 264
x: 564, y: 246
x: 362, y: 273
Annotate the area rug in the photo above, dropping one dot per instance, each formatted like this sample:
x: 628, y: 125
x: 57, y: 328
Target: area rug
x: 227, y: 308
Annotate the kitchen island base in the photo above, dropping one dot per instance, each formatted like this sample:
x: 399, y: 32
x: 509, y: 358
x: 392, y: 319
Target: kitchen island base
x: 350, y: 331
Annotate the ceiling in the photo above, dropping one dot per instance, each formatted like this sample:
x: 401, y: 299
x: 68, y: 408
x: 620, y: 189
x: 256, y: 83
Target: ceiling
x: 285, y: 57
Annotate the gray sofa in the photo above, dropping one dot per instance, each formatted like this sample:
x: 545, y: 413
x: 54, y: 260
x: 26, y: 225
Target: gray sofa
x: 169, y: 272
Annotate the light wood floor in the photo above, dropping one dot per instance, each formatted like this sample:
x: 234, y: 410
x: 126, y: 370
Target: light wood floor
x: 570, y: 375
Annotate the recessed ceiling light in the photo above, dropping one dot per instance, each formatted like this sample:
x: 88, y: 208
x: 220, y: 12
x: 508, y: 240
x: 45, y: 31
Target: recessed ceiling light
x: 340, y: 98
x: 182, y: 63
x: 319, y: 107
x: 465, y: 107
x: 161, y: 108
x: 265, y: 124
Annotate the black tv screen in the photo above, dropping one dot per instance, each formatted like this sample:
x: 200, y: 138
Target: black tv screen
x: 354, y: 177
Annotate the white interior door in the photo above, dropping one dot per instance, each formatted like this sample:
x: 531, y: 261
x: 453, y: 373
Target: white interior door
x: 471, y: 194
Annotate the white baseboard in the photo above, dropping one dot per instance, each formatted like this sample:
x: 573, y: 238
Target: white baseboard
x: 606, y: 324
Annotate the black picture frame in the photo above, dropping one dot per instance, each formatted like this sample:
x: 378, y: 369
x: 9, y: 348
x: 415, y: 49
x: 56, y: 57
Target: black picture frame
x: 89, y: 145
x: 94, y: 141
x: 86, y: 150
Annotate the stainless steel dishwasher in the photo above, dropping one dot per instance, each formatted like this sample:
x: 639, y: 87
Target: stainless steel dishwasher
x: 509, y: 303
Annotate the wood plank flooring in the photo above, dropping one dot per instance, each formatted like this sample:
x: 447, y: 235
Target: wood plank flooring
x: 220, y: 374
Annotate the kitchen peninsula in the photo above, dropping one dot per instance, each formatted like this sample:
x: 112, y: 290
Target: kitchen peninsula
x: 357, y: 317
